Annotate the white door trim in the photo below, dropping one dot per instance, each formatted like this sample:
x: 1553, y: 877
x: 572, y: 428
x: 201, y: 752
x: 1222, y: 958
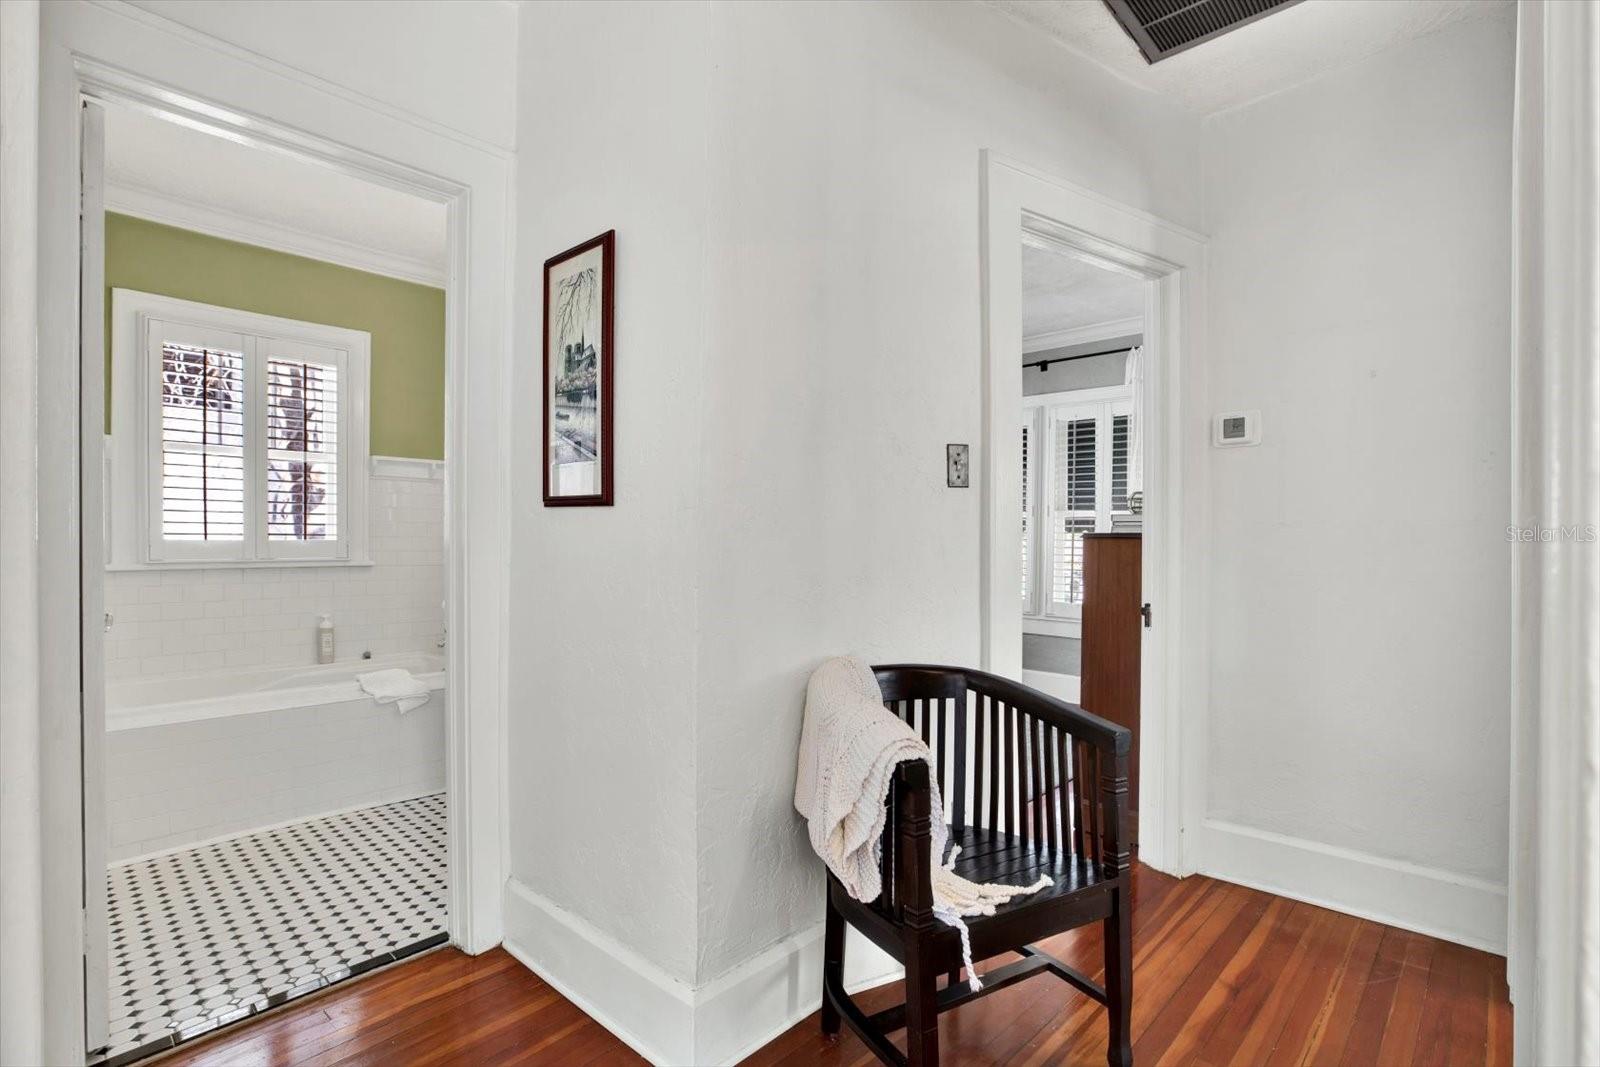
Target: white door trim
x: 1018, y: 200
x: 100, y: 52
x: 92, y: 571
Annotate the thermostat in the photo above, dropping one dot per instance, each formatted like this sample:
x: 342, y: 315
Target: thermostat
x: 1233, y: 428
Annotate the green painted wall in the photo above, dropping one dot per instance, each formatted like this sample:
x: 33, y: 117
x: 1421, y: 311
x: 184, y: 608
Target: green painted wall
x: 406, y: 320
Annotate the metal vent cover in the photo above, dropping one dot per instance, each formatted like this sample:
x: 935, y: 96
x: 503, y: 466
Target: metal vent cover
x: 1162, y: 28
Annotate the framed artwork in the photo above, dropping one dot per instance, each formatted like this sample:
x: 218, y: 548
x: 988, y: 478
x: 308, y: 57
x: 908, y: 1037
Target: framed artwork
x: 578, y: 361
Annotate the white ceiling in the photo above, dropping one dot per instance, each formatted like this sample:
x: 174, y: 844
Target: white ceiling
x: 1060, y: 293
x: 1271, y: 54
x: 181, y: 176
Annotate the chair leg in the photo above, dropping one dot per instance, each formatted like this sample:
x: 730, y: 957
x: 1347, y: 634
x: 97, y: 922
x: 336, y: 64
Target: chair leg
x: 922, y: 1013
x: 953, y: 979
x: 1119, y: 981
x: 832, y: 967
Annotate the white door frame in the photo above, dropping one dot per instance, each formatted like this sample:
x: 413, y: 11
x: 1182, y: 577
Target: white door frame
x: 1016, y: 201
x: 91, y: 573
x: 110, y: 54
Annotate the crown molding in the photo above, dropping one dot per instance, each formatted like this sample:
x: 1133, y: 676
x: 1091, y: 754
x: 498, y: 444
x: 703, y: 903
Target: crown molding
x: 1082, y: 335
x: 144, y: 203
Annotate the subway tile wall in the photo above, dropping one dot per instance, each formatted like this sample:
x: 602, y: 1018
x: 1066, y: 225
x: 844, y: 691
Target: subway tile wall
x: 182, y: 621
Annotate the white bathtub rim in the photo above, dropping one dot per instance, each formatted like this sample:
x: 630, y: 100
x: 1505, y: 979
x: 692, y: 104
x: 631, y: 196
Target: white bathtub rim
x: 257, y: 701
x: 399, y: 798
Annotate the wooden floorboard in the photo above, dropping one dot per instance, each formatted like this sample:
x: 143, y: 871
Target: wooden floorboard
x: 1228, y: 975
x: 1223, y: 975
x: 444, y: 1008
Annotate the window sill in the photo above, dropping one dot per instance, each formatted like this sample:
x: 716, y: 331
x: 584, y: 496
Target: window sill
x: 235, y: 564
x: 1049, y: 627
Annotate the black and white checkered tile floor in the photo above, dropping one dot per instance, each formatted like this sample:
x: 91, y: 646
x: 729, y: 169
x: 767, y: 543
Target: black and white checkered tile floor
x: 206, y: 936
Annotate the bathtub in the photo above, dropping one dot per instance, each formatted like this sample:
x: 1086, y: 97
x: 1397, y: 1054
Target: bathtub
x: 214, y: 694
x: 198, y: 757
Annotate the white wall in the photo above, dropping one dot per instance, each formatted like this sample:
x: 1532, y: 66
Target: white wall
x: 23, y: 909
x: 612, y: 134
x: 844, y: 354
x: 182, y: 621
x: 797, y: 338
x: 1359, y: 573
x: 449, y: 63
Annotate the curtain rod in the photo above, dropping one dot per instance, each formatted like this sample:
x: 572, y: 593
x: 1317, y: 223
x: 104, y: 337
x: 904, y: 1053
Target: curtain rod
x: 1044, y: 364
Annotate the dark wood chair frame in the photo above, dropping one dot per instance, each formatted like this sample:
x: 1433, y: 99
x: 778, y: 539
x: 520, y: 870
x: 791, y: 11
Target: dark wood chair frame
x: 1049, y: 791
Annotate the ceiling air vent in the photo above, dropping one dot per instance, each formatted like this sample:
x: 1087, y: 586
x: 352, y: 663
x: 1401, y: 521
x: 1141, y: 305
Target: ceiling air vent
x: 1162, y: 28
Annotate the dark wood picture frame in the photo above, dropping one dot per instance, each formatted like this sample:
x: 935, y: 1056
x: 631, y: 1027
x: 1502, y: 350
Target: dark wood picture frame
x: 605, y: 365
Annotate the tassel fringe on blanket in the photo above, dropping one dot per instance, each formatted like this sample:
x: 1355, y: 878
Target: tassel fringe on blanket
x: 850, y: 745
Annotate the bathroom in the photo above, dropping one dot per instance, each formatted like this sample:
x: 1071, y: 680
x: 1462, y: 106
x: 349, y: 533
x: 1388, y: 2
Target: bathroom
x: 276, y: 711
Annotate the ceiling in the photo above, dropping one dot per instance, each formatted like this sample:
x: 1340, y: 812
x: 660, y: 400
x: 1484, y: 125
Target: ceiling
x: 1287, y: 47
x: 177, y: 175
x: 1061, y: 294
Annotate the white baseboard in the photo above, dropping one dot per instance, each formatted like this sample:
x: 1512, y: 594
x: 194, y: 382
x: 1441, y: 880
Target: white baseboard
x: 646, y: 1007
x: 664, y: 1019
x: 1061, y: 686
x: 761, y: 998
x: 1468, y: 911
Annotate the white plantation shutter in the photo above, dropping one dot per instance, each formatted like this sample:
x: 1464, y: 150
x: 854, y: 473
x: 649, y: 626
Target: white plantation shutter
x: 253, y: 434
x: 201, y: 442
x: 302, y: 490
x: 1027, y: 518
x: 1079, y: 458
x: 1072, y: 506
x: 1119, y: 463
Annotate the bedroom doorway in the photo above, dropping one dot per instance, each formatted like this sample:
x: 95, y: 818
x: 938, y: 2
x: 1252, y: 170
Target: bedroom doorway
x: 1157, y: 267
x: 1082, y: 484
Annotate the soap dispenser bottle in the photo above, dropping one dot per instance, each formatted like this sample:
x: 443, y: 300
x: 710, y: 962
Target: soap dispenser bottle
x: 325, y: 640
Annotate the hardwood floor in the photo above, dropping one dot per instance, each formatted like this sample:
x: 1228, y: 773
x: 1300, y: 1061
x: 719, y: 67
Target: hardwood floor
x: 1227, y: 975
x: 442, y: 1008
x: 1223, y: 975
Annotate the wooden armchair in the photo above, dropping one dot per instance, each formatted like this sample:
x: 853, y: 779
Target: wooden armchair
x: 1032, y: 785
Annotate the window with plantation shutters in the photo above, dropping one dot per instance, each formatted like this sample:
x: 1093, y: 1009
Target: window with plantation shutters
x: 202, y: 443
x: 240, y: 438
x: 1076, y: 458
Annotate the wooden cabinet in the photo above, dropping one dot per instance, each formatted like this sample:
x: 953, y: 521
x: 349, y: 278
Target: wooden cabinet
x: 1112, y: 625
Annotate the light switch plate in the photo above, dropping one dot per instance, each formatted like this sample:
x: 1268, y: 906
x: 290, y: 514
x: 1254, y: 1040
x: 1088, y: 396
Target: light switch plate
x: 957, y: 468
x: 1232, y: 429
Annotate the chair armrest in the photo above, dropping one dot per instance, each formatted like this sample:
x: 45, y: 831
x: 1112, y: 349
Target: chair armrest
x: 907, y: 847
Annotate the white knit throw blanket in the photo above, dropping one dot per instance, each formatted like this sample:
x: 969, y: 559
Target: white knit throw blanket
x: 849, y: 747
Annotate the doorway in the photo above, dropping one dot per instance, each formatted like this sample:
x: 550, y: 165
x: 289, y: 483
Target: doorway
x: 269, y: 728
x: 1022, y: 207
x: 1082, y: 485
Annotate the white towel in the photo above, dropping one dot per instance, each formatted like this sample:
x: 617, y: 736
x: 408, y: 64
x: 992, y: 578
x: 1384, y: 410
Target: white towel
x: 395, y: 686
x: 849, y: 747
